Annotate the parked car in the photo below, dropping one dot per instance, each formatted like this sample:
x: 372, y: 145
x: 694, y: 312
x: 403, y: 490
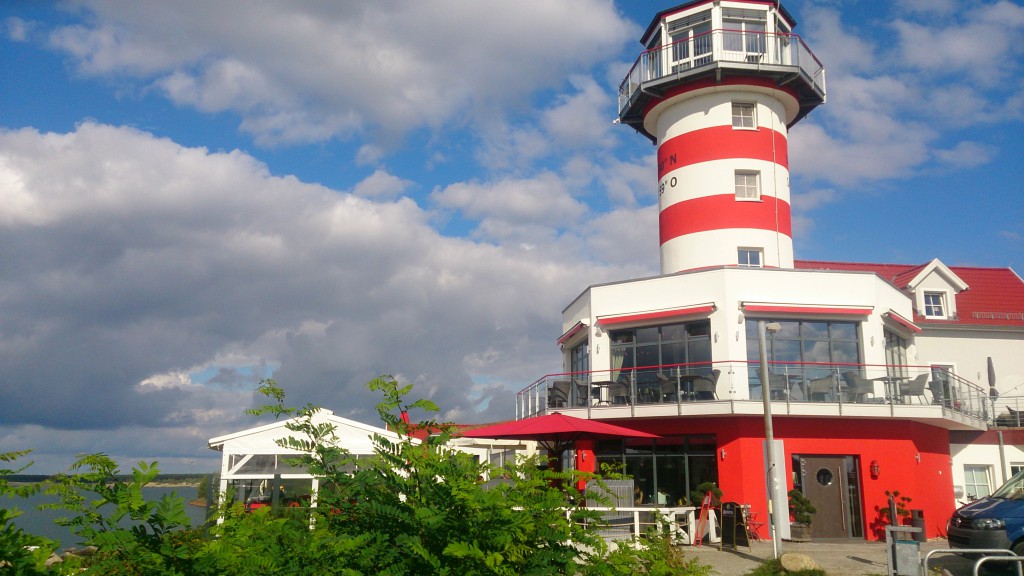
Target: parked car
x: 995, y: 521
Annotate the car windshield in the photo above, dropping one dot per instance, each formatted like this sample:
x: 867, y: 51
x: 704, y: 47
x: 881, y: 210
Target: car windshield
x: 1013, y: 489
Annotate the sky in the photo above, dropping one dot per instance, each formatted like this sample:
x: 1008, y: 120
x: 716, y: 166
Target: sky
x: 196, y: 195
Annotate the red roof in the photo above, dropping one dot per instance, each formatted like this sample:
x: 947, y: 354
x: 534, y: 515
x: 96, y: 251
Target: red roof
x: 994, y: 297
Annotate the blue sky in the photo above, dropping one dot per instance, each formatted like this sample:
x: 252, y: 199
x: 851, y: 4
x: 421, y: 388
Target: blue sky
x: 194, y: 195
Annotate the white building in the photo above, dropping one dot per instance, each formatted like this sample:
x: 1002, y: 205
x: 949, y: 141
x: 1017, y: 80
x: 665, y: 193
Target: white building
x: 872, y: 366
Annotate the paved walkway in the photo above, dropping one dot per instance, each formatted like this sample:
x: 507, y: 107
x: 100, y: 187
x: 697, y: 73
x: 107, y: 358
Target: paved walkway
x: 836, y: 557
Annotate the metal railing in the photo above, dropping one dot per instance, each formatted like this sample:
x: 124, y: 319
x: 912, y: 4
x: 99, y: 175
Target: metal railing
x: 743, y: 49
x: 791, y: 383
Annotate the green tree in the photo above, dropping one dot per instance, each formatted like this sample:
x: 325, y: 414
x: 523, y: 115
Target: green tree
x: 20, y: 553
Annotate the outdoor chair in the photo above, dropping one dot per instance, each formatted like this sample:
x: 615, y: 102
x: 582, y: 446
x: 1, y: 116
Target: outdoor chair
x: 857, y: 387
x: 914, y: 387
x: 821, y: 389
x: 778, y: 386
x: 706, y: 387
x: 583, y: 391
x: 558, y: 394
x: 619, y: 393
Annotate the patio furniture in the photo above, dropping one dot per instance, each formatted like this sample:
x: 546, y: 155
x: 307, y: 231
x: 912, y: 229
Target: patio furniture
x: 914, y: 387
x: 822, y: 389
x: 583, y: 395
x: 706, y: 387
x: 669, y: 388
x: 857, y: 387
x: 558, y: 394
x: 778, y: 386
x: 619, y: 393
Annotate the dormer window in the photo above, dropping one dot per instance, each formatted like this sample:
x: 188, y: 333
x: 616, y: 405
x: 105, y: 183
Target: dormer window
x: 934, y: 305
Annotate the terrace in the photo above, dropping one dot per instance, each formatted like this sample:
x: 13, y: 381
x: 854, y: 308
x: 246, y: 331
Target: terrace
x: 923, y: 393
x: 782, y: 58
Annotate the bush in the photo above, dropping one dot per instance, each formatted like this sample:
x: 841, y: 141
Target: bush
x: 412, y: 508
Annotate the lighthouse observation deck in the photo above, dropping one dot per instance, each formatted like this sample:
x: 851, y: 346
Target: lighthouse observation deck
x: 715, y: 55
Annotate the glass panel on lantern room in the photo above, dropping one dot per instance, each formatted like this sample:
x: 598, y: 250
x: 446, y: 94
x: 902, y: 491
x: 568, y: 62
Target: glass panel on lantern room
x: 691, y: 41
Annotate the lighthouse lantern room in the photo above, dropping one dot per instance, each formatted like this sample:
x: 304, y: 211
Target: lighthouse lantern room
x: 716, y: 89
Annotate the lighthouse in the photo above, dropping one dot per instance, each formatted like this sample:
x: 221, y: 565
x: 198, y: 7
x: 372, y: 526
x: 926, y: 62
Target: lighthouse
x: 716, y: 89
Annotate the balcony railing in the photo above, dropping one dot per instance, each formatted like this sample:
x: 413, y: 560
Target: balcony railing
x: 606, y: 393
x: 745, y: 50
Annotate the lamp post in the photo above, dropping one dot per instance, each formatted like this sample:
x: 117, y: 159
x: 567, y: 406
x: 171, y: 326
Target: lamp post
x: 769, y: 436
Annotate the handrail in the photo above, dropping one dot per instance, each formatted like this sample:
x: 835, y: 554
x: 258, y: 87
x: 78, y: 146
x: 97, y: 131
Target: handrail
x: 737, y: 381
x: 784, y: 50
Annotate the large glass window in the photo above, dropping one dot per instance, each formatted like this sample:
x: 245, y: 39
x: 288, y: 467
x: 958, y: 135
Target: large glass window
x: 895, y: 355
x: 579, y: 360
x: 666, y: 471
x: 801, y: 351
x: 639, y: 355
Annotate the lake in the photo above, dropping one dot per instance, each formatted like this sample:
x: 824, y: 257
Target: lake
x: 40, y: 522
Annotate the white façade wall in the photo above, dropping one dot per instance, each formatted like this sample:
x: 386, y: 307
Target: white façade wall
x: 968, y: 350
x: 986, y: 455
x: 728, y: 289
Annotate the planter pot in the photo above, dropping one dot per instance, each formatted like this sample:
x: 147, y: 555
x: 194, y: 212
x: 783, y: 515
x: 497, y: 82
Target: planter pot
x: 800, y: 532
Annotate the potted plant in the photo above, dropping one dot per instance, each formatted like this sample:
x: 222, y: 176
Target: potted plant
x: 802, y: 511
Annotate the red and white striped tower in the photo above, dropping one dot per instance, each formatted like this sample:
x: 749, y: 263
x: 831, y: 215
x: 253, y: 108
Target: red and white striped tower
x: 716, y: 90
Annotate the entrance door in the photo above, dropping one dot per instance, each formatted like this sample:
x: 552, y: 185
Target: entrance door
x: 827, y: 485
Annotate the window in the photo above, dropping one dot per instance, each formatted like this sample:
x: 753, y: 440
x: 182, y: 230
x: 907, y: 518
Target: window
x: 976, y: 481
x: 748, y: 185
x: 934, y: 305
x: 1015, y: 468
x: 656, y: 350
x: 750, y: 257
x: 804, y: 350
x: 895, y: 354
x: 744, y: 34
x: 579, y: 359
x: 666, y: 471
x: 691, y: 41
x: 743, y: 115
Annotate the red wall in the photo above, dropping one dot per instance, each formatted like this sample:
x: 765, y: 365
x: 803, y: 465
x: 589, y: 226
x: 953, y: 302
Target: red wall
x: 894, y: 444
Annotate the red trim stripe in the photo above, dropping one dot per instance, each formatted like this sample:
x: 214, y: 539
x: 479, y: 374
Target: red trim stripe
x: 722, y: 143
x: 712, y: 83
x: 819, y: 310
x: 571, y: 332
x: 702, y: 310
x: 902, y: 321
x: 723, y: 212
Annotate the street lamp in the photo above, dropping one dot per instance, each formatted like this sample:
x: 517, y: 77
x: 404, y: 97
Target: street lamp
x: 775, y: 525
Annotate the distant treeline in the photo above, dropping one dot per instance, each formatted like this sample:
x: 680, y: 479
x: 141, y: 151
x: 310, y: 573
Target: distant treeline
x: 187, y: 479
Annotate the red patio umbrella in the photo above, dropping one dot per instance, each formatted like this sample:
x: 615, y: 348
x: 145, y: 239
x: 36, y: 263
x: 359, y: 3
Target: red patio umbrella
x: 555, y: 432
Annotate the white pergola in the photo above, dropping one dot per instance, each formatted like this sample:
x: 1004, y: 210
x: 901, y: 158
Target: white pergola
x: 255, y: 455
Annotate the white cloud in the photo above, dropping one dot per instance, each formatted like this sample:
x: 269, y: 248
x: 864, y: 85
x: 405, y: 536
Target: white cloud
x: 194, y: 273
x: 381, y: 185
x: 300, y: 73
x: 966, y: 155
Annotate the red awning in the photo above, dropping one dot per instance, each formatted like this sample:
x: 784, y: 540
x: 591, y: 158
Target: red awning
x: 902, y: 321
x: 699, y: 310
x: 571, y: 332
x: 815, y: 310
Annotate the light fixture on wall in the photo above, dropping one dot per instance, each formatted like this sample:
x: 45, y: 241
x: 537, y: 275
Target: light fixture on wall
x: 872, y: 340
x: 917, y: 457
x: 716, y: 335
x: 874, y: 469
x: 723, y: 453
